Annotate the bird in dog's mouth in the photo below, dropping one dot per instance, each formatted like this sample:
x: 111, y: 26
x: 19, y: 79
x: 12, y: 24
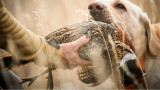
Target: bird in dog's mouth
x: 109, y: 52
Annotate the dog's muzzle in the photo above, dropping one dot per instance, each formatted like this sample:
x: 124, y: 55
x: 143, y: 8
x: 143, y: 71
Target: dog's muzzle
x: 99, y: 12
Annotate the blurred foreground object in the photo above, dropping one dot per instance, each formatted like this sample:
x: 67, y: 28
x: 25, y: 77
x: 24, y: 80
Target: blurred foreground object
x: 8, y: 80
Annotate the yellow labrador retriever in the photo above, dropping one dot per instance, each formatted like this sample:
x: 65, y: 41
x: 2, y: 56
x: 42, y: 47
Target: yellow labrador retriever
x: 145, y: 39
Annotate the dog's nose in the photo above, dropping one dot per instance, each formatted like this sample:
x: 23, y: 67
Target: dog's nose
x: 95, y: 6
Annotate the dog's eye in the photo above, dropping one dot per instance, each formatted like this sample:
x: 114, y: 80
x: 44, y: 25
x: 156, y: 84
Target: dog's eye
x: 121, y: 6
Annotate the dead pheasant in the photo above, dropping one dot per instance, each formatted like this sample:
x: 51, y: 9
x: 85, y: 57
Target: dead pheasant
x: 108, y: 49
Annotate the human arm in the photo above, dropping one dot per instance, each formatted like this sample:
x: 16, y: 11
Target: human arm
x: 24, y: 45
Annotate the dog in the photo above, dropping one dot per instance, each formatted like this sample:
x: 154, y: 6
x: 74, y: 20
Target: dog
x: 144, y: 36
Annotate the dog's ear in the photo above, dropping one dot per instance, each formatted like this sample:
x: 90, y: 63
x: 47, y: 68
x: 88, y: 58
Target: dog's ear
x: 153, y: 39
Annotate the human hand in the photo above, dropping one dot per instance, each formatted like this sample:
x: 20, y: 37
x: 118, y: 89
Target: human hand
x: 70, y: 52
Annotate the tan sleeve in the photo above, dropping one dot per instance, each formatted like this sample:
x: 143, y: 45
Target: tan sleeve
x: 24, y: 44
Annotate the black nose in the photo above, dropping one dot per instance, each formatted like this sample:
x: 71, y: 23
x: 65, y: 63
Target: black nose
x: 95, y: 6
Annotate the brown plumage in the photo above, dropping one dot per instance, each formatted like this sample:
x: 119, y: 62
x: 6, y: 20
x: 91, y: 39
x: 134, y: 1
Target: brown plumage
x: 109, y: 43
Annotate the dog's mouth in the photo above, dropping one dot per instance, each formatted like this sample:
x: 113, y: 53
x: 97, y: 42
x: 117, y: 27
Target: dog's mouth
x: 93, y: 16
x: 102, y: 17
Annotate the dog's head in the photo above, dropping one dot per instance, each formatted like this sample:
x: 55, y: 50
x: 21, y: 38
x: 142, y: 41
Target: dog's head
x: 128, y: 17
